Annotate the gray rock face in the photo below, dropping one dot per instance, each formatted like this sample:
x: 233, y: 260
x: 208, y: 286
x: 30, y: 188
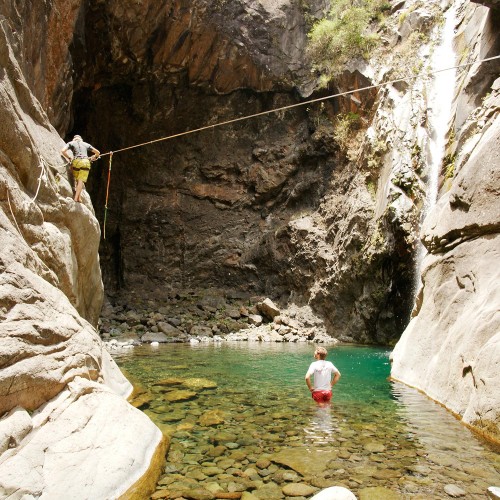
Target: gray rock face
x: 451, y: 348
x: 63, y: 412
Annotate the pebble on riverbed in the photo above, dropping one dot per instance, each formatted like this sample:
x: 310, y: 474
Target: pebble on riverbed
x: 208, y: 317
x: 454, y: 491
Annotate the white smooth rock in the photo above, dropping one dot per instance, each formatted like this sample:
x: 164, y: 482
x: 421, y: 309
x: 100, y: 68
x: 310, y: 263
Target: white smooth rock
x: 334, y: 493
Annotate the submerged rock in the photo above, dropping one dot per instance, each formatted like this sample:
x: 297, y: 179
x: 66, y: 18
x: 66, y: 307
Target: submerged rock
x: 378, y: 493
x: 199, y: 383
x: 153, y: 337
x: 305, y: 462
x: 212, y: 418
x: 374, y: 447
x: 141, y: 399
x: 180, y: 395
x: 298, y: 490
x: 454, y: 491
x: 169, y: 382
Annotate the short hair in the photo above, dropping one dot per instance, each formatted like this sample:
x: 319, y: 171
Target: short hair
x: 77, y: 137
x: 321, y: 351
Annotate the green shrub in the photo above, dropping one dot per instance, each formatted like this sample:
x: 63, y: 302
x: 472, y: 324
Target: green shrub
x: 344, y: 34
x: 449, y: 166
x: 345, y: 125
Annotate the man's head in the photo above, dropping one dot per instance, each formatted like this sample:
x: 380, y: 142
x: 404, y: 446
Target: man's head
x: 77, y: 138
x: 321, y: 352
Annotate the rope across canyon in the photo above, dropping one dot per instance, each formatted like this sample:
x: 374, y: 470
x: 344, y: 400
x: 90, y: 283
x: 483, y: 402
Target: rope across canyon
x: 296, y: 105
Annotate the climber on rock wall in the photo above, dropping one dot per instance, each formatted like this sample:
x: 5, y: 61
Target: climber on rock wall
x: 80, y: 162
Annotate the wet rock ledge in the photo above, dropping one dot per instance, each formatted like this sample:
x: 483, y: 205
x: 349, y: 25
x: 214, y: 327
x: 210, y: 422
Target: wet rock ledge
x: 208, y: 316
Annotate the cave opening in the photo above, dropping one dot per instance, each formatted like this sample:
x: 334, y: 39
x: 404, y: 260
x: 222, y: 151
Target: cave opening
x: 216, y: 209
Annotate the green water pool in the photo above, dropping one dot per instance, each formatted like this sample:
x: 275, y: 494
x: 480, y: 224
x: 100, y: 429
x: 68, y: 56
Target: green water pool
x: 255, y: 428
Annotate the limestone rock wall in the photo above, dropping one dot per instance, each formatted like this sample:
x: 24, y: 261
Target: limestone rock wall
x: 353, y: 257
x: 63, y: 411
x: 451, y: 348
x: 60, y: 237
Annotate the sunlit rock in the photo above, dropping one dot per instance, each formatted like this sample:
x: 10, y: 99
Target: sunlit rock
x: 212, y: 418
x: 62, y: 445
x: 14, y: 426
x: 199, y: 383
x: 458, y: 317
x: 179, y: 395
x: 268, y: 308
x: 335, y: 493
x: 255, y: 319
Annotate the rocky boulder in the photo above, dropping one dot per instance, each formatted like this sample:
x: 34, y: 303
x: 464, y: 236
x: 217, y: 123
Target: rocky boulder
x: 268, y: 309
x: 451, y: 348
x: 65, y: 397
x: 65, y: 424
x: 335, y: 493
x: 55, y: 451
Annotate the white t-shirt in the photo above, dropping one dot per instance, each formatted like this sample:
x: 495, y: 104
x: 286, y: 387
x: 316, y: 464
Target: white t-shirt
x: 321, y: 370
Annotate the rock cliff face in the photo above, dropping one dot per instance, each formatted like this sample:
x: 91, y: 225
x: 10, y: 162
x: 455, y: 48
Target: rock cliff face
x: 221, y: 208
x: 61, y: 395
x: 299, y: 204
x: 284, y: 204
x: 195, y: 211
x: 451, y: 348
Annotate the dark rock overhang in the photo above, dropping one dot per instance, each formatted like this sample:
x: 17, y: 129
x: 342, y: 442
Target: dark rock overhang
x: 492, y: 4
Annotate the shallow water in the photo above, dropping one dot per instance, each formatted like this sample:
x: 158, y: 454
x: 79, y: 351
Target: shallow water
x: 262, y: 423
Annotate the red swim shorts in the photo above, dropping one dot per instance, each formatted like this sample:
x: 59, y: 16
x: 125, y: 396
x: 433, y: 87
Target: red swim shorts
x: 322, y: 396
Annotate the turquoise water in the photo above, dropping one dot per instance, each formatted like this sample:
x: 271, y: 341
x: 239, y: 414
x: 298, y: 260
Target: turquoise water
x: 379, y: 434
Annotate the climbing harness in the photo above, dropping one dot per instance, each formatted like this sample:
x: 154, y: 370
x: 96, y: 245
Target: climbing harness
x: 107, y: 195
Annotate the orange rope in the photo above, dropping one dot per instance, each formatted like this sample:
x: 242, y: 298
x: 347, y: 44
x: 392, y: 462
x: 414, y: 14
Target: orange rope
x: 107, y: 194
x: 290, y: 106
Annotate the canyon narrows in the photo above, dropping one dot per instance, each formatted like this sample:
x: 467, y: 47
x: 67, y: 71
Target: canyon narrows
x: 316, y: 206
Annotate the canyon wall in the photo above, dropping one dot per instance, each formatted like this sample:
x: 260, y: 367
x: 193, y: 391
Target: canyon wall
x: 276, y: 205
x: 451, y: 348
x: 221, y: 208
x: 64, y: 419
x: 287, y: 204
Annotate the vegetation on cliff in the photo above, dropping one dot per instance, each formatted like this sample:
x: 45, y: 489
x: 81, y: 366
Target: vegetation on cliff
x: 344, y: 34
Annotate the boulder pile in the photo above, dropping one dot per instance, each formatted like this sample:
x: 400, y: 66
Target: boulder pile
x: 208, y: 316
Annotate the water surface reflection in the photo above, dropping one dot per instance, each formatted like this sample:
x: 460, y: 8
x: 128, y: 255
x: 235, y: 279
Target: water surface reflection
x: 241, y: 418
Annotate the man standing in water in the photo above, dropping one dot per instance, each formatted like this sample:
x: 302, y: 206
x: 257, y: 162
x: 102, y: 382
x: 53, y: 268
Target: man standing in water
x: 80, y: 162
x: 325, y: 376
